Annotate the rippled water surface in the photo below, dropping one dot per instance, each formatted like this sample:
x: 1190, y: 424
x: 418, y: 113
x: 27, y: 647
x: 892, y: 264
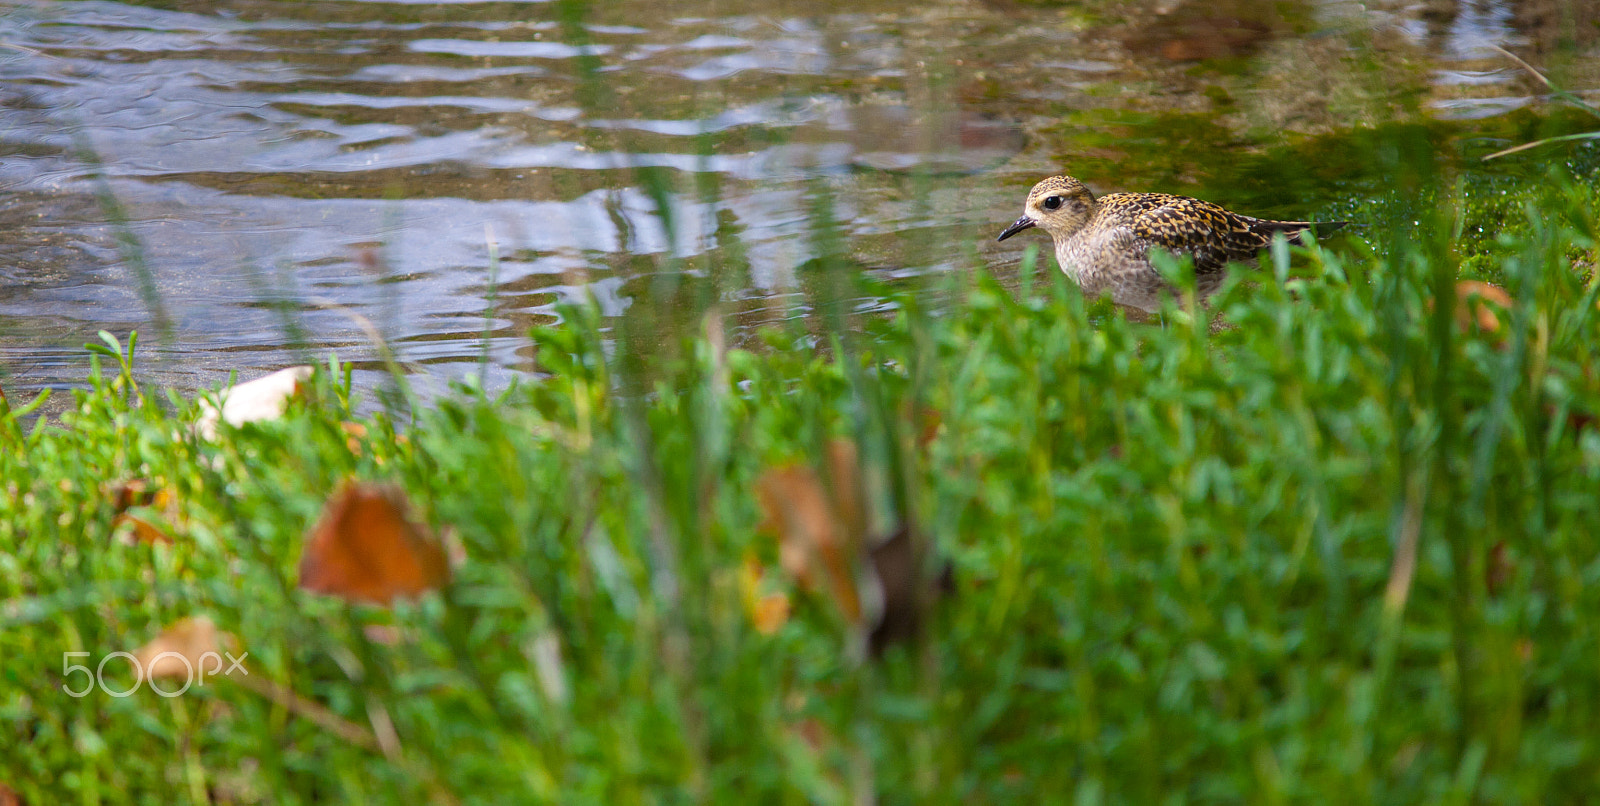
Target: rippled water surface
x: 247, y: 176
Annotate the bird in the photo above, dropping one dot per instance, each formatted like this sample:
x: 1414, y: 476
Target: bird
x: 1104, y: 243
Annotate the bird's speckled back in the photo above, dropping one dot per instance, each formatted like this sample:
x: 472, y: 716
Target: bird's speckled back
x: 1104, y: 244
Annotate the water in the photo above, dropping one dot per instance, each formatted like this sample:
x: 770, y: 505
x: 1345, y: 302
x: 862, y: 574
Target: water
x: 316, y: 172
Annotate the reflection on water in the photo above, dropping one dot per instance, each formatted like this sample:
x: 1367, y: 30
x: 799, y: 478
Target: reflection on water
x: 303, y: 167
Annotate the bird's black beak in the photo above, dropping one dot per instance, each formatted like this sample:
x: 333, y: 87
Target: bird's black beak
x: 1022, y: 224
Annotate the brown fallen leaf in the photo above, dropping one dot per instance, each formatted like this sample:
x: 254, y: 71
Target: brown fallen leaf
x: 823, y: 541
x: 140, y: 529
x: 182, y: 649
x: 133, y: 494
x: 197, y: 641
x: 1477, y: 304
x: 367, y: 548
x: 771, y: 613
x: 846, y: 491
x: 815, y: 545
x: 768, y: 612
x: 354, y: 433
x: 356, y: 438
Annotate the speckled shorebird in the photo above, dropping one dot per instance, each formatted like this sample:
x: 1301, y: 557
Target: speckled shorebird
x: 1104, y: 244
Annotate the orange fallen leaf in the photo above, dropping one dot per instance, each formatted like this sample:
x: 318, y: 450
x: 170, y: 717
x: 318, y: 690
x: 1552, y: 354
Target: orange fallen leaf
x: 823, y: 539
x: 749, y: 578
x: 819, y: 534
x: 924, y: 422
x: 141, y: 530
x: 1477, y: 303
x: 771, y: 613
x: 182, y: 649
x: 367, y: 548
x: 141, y: 493
x: 793, y: 507
x: 354, y: 433
x: 845, y: 489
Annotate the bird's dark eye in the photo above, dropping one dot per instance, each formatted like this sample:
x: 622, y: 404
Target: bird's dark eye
x: 1052, y: 203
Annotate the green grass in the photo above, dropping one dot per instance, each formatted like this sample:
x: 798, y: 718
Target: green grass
x: 1174, y: 558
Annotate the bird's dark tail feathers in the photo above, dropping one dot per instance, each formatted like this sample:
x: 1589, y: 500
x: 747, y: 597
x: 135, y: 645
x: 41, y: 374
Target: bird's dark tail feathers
x: 1294, y: 229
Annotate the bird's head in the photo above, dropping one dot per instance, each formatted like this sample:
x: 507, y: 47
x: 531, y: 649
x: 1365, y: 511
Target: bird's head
x: 1059, y: 205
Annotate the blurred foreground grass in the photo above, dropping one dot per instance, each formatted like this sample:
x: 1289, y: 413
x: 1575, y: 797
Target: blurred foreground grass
x: 1345, y: 550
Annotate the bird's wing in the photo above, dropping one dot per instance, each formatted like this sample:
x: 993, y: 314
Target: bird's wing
x: 1212, y: 235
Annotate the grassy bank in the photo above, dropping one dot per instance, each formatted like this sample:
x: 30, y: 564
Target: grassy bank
x: 1346, y: 546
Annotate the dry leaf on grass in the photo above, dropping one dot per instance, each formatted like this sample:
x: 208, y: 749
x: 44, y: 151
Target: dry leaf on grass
x: 823, y: 541
x: 187, y: 647
x: 923, y: 421
x: 264, y: 398
x: 367, y: 548
x: 818, y: 535
x: 142, y: 530
x: 142, y: 526
x: 1479, y: 306
x: 192, y: 649
x: 771, y: 613
x: 354, y: 434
